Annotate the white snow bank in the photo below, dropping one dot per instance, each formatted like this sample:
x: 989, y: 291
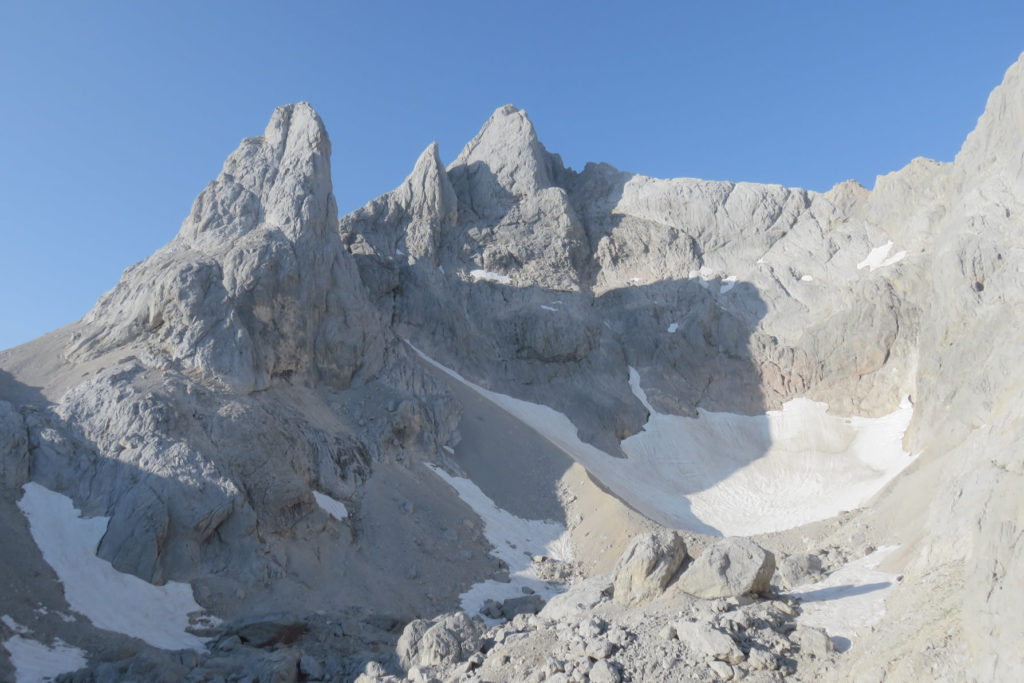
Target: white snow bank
x: 110, y: 599
x: 549, y: 308
x: 734, y: 474
x: 848, y: 601
x: 877, y: 258
x: 673, y: 328
x: 727, y: 284
x: 806, y: 278
x: 479, y: 274
x: 515, y: 540
x: 335, y: 508
x: 35, y: 662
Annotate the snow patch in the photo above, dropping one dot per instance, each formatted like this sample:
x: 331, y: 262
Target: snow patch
x: 673, y: 328
x: 10, y: 623
x: 35, y: 662
x: 479, y: 274
x: 727, y: 284
x: 733, y: 474
x: 549, y: 308
x: 806, y: 278
x: 110, y: 599
x: 515, y: 540
x: 849, y: 601
x: 877, y: 257
x: 335, y: 508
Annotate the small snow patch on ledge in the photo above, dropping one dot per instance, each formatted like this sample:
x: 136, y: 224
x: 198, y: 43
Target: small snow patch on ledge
x: 335, y: 508
x: 877, y: 258
x: 479, y: 274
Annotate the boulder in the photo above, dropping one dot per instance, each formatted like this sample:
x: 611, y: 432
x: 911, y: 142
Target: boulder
x: 579, y: 598
x: 527, y: 604
x: 647, y: 566
x: 442, y: 641
x: 814, y: 642
x: 730, y: 568
x: 604, y: 672
x: 796, y: 570
x: 708, y: 641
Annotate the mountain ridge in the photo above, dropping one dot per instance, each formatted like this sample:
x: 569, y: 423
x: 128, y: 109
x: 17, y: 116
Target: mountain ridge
x: 257, y: 361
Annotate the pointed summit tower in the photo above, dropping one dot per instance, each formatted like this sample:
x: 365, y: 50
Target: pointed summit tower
x: 256, y: 286
x: 504, y: 163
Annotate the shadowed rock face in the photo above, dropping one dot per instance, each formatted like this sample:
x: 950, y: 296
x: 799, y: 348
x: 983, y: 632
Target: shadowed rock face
x: 256, y: 358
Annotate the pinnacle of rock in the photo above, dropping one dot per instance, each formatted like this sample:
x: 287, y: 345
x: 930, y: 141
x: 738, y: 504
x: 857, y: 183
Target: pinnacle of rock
x: 503, y: 162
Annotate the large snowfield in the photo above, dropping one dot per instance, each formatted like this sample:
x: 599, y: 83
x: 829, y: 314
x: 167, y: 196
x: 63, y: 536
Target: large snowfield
x: 730, y: 474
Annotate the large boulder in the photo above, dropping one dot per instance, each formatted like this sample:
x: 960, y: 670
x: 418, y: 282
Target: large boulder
x: 730, y: 568
x: 446, y: 640
x: 648, y: 565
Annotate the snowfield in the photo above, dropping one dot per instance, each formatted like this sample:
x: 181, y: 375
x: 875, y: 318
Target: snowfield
x: 110, y: 599
x: 35, y: 662
x: 730, y: 474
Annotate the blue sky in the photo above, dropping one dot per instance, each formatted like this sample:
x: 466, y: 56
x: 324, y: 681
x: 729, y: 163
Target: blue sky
x: 116, y: 114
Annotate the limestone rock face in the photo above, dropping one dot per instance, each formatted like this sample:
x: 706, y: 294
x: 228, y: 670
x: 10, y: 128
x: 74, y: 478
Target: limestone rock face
x: 729, y: 568
x: 255, y: 287
x: 14, y: 456
x: 647, y: 566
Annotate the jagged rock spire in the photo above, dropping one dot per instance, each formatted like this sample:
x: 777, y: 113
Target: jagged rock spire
x: 256, y: 284
x: 503, y: 163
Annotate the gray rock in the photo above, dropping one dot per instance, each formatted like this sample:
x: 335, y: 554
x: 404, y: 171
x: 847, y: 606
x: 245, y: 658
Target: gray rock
x: 647, y: 566
x: 527, y: 604
x: 603, y: 672
x: 709, y: 641
x: 796, y: 570
x: 730, y: 567
x: 814, y: 641
x: 578, y: 598
x: 446, y: 640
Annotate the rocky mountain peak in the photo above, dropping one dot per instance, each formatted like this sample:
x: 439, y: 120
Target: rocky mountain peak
x: 256, y: 284
x: 504, y: 161
x: 428, y: 191
x: 282, y: 179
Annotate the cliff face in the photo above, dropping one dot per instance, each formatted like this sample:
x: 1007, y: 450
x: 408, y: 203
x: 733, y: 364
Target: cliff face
x: 255, y: 364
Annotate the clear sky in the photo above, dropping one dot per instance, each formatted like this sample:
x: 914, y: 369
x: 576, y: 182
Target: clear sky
x: 115, y: 115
